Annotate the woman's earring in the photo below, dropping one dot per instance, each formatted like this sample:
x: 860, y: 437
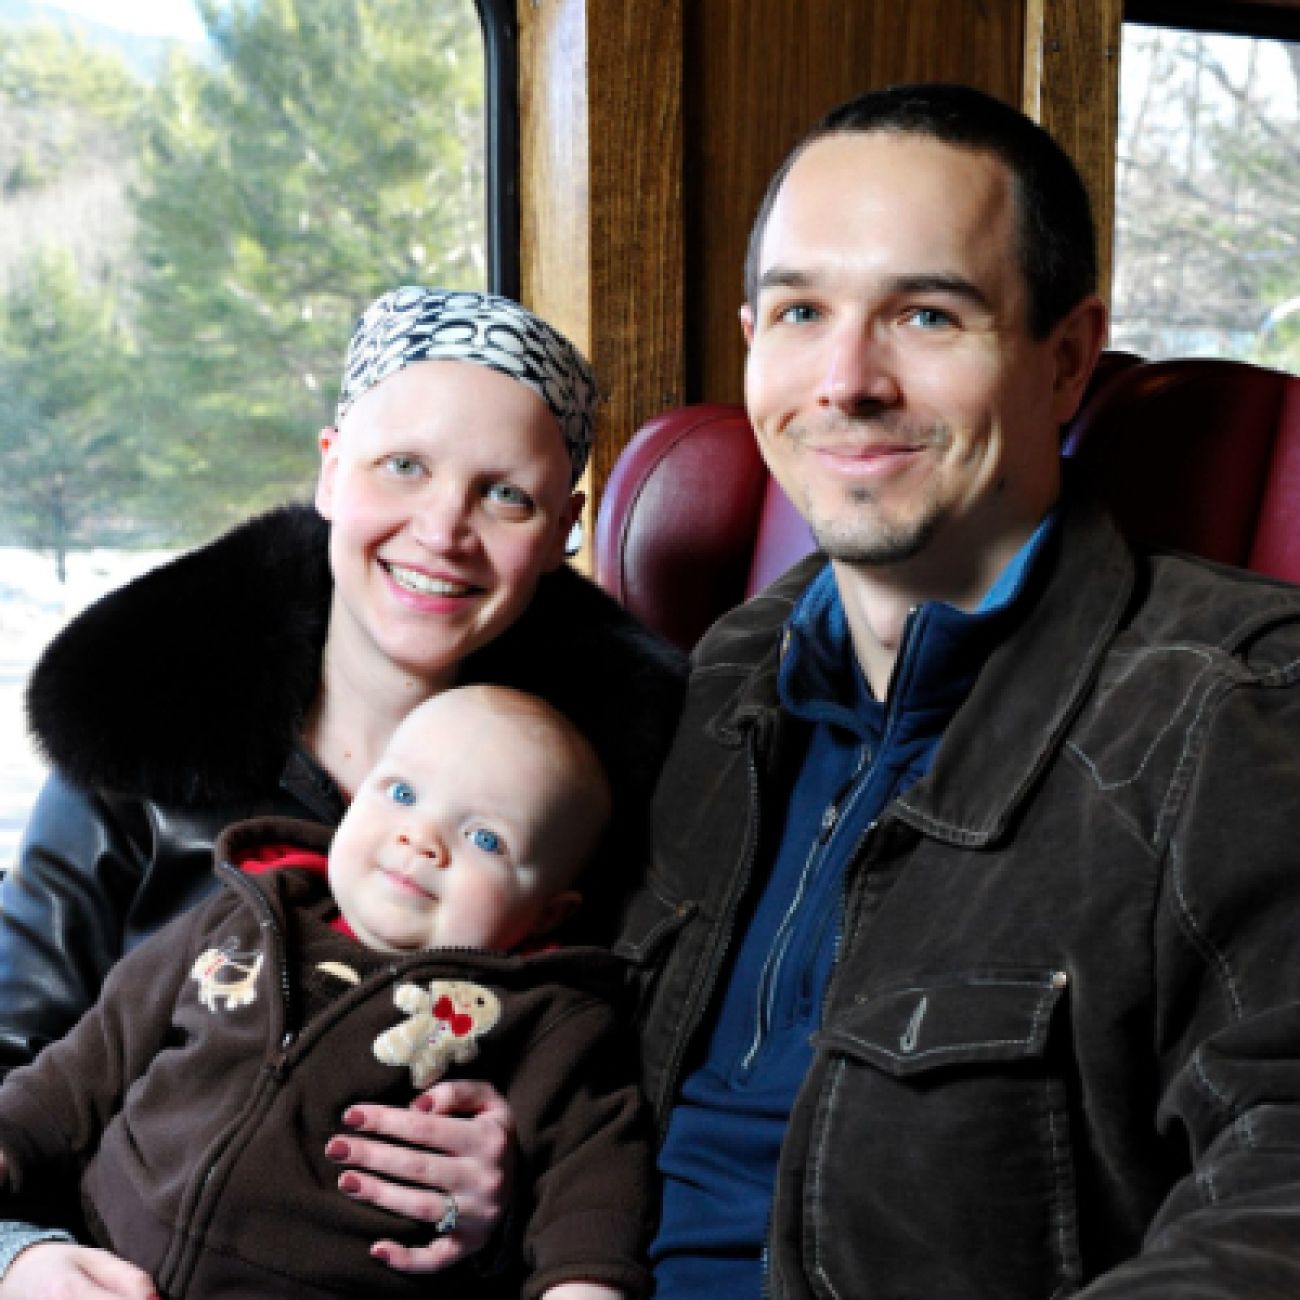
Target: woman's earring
x: 573, y: 543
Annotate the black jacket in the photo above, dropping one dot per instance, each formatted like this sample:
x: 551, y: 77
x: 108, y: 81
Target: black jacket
x: 1060, y: 1049
x: 173, y: 707
x: 198, y: 1096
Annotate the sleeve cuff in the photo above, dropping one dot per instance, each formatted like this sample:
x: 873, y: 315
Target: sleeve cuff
x: 16, y: 1237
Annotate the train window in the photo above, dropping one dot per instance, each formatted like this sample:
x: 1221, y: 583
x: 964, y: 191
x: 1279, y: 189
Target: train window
x: 1208, y: 183
x: 198, y: 195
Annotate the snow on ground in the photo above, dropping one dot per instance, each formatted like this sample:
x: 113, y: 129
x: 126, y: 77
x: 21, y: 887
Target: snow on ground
x: 33, y: 607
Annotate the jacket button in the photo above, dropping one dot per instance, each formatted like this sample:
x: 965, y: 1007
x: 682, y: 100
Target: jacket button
x: 1059, y: 979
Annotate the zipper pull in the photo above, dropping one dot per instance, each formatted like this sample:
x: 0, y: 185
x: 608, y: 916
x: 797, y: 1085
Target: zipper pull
x: 829, y: 818
x: 280, y: 1059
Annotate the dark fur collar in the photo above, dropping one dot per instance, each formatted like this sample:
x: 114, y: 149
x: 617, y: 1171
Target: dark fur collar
x: 190, y: 683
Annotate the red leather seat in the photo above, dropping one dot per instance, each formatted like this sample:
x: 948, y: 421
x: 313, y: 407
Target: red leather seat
x: 691, y: 522
x: 1201, y: 455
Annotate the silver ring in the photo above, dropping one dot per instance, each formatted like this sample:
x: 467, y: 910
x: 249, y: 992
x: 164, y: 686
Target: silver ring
x: 450, y: 1216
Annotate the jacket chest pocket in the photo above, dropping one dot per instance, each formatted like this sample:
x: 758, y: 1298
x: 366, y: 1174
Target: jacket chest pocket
x: 939, y: 1160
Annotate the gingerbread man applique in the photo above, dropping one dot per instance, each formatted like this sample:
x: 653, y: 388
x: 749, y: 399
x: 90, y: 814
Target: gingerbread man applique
x: 445, y: 1022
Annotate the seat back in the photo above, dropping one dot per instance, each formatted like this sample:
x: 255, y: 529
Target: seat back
x: 691, y: 522
x: 1201, y: 455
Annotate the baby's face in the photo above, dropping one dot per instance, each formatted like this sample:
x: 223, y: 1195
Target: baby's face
x: 466, y: 832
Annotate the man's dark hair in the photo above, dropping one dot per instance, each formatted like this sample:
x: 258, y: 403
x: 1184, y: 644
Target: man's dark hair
x: 1056, y: 237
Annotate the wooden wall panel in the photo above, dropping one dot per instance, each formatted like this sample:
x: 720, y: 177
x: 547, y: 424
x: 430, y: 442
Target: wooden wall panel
x: 758, y: 73
x: 650, y: 128
x: 637, y: 239
x: 554, y: 224
x: 600, y: 110
x: 1071, y: 85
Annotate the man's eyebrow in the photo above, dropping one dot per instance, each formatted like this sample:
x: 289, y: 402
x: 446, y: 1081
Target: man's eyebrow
x: 783, y: 277
x: 951, y: 286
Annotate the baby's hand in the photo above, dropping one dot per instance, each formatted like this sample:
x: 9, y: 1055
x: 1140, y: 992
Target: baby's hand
x: 55, y: 1270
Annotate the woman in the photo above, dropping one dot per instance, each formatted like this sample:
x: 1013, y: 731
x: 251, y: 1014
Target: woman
x: 264, y: 673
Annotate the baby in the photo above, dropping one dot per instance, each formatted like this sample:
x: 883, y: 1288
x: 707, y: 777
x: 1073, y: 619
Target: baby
x: 194, y: 1100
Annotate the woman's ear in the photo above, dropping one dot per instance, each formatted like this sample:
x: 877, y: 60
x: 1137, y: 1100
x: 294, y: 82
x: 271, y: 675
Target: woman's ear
x: 568, y: 518
x: 329, y: 459
x: 747, y: 323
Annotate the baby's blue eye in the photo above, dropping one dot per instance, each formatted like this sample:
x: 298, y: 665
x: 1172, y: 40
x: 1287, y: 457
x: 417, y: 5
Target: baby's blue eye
x: 488, y: 841
x: 400, y: 792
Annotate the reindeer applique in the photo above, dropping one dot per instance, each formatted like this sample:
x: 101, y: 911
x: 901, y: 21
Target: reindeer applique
x: 226, y: 975
x: 446, y: 1020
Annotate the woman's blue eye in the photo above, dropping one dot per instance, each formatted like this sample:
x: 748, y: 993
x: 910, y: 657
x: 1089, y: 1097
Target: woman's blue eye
x: 401, y: 792
x: 488, y: 841
x: 404, y: 466
x: 509, y: 495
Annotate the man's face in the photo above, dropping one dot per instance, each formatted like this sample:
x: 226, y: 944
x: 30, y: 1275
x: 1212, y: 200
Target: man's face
x: 896, y: 393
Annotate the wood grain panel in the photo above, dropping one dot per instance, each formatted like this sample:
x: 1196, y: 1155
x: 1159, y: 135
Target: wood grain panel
x: 1071, y: 85
x: 650, y: 128
x: 635, y: 58
x: 554, y: 196
x: 601, y: 237
x: 758, y: 73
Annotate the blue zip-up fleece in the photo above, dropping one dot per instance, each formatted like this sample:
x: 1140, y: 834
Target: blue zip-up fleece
x: 720, y: 1156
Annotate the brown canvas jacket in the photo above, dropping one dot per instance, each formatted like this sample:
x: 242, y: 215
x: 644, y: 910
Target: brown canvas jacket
x: 1060, y: 1051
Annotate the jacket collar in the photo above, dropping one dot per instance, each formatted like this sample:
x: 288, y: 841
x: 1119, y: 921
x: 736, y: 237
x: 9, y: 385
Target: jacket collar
x: 189, y: 685
x: 1022, y: 703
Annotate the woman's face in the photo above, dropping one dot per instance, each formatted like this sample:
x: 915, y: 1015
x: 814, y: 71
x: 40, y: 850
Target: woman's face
x: 447, y: 485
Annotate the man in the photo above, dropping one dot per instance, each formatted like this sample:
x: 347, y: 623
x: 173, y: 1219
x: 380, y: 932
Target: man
x: 974, y: 907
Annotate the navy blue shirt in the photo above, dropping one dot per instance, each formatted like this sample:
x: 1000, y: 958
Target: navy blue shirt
x: 720, y: 1153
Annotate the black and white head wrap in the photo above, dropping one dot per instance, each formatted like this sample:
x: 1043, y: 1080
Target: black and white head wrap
x: 418, y: 324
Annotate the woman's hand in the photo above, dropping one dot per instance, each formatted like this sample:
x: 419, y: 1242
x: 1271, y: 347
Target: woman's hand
x: 56, y: 1270
x: 464, y: 1149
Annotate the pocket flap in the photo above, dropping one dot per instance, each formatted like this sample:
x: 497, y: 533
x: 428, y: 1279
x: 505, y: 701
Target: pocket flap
x: 649, y: 922
x: 982, y: 1017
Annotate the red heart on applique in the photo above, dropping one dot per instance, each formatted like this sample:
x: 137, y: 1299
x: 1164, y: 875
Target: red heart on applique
x: 460, y: 1022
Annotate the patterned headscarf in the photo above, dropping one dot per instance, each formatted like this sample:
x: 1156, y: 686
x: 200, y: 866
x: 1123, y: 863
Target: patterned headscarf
x: 418, y: 324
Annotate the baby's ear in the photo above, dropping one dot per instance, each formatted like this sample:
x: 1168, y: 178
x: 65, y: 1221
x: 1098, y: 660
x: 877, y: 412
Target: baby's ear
x: 555, y: 911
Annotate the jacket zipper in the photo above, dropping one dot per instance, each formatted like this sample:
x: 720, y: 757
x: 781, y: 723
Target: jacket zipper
x: 183, y: 1258
x: 769, y: 977
x: 713, y: 960
x: 904, y: 645
x: 859, y: 851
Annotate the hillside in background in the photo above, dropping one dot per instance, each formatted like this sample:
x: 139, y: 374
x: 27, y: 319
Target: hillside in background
x: 141, y: 52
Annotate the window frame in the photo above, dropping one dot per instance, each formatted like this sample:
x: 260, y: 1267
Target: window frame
x: 501, y: 99
x: 1268, y: 19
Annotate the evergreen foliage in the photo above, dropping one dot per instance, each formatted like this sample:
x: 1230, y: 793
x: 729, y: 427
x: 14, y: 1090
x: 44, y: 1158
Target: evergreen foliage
x: 320, y: 152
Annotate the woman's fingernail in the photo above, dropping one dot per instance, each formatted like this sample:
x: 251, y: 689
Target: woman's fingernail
x: 337, y: 1149
x: 423, y: 1102
x: 353, y: 1118
x: 350, y: 1184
